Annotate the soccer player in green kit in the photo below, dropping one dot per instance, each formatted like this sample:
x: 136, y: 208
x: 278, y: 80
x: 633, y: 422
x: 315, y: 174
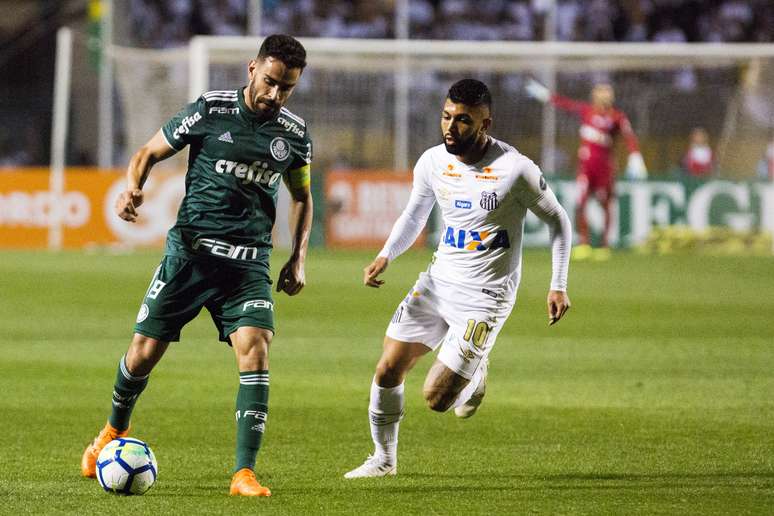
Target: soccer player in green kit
x: 242, y: 142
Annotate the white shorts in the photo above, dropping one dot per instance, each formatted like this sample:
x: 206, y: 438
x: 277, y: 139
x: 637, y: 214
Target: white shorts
x: 463, y: 320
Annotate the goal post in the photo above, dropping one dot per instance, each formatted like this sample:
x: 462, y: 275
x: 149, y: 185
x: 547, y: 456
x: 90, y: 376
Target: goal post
x: 60, y: 118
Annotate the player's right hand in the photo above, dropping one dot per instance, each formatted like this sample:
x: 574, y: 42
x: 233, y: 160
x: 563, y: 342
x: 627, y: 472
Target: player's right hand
x: 558, y: 303
x: 372, y: 271
x: 537, y: 91
x: 127, y: 204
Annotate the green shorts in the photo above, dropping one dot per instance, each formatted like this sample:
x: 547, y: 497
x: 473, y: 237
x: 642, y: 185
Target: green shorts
x: 234, y: 296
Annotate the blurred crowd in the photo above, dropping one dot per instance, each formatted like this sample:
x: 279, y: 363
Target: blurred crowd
x: 164, y: 23
x: 171, y: 23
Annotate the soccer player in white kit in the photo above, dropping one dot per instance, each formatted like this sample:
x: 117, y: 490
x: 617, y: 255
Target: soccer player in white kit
x: 484, y: 188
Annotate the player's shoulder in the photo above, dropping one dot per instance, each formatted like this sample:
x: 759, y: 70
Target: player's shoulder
x: 436, y: 152
x: 509, y: 157
x: 294, y: 125
x: 220, y: 97
x: 218, y: 102
x: 433, y: 157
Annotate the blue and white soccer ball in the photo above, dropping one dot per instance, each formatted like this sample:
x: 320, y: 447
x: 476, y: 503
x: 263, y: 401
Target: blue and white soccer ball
x: 127, y: 466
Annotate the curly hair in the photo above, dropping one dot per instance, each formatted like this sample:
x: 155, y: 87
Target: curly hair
x: 285, y: 48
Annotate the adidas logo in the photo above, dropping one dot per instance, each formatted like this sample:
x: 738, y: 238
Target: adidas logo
x: 226, y: 137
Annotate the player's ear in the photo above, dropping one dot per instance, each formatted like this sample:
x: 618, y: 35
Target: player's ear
x: 251, y: 67
x: 486, y: 124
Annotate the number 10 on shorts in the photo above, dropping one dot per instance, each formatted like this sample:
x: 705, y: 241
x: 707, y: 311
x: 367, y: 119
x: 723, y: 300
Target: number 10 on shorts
x: 477, y: 332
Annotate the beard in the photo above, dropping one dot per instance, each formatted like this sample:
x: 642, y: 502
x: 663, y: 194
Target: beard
x: 272, y: 107
x: 460, y: 147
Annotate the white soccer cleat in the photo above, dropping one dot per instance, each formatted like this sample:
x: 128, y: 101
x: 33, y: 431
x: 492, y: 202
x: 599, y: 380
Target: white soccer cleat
x: 373, y: 467
x: 470, y: 407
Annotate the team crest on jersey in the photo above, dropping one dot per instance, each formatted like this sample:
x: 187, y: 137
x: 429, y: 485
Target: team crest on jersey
x: 143, y: 313
x: 489, y: 201
x: 280, y: 149
x: 543, y: 184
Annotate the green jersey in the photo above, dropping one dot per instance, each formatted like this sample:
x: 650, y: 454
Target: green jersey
x: 235, y: 164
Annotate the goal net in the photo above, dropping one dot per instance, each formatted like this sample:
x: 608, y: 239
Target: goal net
x: 375, y: 104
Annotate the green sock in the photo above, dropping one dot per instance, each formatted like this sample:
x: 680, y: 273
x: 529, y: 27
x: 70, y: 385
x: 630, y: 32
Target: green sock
x: 125, y: 393
x: 252, y: 405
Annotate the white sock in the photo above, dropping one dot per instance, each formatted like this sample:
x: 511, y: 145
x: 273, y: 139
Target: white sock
x: 385, y: 412
x: 468, y: 390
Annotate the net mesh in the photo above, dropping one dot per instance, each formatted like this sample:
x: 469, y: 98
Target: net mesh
x: 348, y: 99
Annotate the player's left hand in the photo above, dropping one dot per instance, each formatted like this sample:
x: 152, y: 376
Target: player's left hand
x: 537, y: 91
x: 635, y: 167
x: 372, y: 271
x: 558, y: 304
x: 291, y: 278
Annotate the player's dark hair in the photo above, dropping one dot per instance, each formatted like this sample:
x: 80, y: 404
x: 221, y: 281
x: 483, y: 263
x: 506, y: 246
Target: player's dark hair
x: 471, y: 93
x: 285, y: 48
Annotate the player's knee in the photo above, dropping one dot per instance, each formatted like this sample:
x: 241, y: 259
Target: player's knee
x: 251, y: 346
x: 388, y: 373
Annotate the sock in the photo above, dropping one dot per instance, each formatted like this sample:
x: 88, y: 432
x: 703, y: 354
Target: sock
x: 125, y: 393
x: 385, y: 411
x: 468, y: 390
x: 252, y: 407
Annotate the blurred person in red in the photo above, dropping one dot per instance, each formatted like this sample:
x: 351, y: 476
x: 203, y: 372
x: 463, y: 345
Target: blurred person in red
x: 766, y: 164
x: 698, y: 160
x: 601, y: 124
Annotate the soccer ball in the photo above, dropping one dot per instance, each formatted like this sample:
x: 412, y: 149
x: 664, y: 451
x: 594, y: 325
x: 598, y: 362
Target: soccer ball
x: 126, y: 466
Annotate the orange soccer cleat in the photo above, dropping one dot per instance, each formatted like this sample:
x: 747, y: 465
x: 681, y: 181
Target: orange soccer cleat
x: 244, y: 483
x: 89, y: 459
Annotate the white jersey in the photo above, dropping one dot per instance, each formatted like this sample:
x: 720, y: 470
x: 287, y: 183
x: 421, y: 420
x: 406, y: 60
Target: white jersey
x: 483, y: 207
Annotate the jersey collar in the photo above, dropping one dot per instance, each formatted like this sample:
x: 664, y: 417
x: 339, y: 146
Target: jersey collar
x: 485, y: 159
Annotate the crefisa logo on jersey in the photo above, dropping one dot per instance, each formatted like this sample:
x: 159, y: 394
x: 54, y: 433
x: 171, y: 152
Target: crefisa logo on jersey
x: 291, y: 126
x: 186, y: 124
x: 279, y: 148
x: 489, y: 201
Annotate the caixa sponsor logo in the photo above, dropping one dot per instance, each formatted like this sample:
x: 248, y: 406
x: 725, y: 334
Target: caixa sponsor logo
x: 258, y: 172
x: 291, y: 126
x: 226, y: 250
x: 186, y: 124
x: 472, y: 240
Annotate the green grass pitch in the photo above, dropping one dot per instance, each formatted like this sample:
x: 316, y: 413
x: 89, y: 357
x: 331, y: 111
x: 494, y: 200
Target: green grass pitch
x: 654, y: 396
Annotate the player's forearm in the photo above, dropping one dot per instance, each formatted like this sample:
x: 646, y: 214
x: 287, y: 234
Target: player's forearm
x: 139, y: 168
x: 408, y: 226
x: 301, y: 225
x: 567, y: 104
x: 551, y: 212
x: 157, y: 149
x: 560, y: 232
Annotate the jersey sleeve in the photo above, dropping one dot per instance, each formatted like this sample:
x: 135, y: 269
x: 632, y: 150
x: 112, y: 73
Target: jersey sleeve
x: 414, y: 217
x: 628, y: 133
x: 302, y: 154
x: 568, y: 104
x: 298, y: 175
x: 187, y: 126
x: 533, y: 192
